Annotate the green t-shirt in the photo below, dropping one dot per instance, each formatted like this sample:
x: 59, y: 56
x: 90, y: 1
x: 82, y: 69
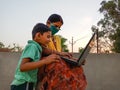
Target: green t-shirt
x: 32, y: 50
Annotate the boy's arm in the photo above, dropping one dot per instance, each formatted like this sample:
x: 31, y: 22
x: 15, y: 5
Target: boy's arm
x: 26, y: 65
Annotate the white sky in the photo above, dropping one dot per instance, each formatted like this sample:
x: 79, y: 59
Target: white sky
x: 17, y: 18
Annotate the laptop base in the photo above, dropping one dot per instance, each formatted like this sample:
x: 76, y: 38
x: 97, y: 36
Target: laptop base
x: 70, y: 61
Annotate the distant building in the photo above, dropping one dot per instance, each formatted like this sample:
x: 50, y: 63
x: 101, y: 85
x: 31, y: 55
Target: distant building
x: 5, y: 50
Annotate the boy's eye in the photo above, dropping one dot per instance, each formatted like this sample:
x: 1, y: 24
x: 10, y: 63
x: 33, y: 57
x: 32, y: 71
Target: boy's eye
x: 48, y: 36
x: 57, y: 26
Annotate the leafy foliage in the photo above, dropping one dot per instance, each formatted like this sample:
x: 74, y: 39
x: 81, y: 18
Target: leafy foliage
x: 81, y: 49
x: 2, y: 45
x: 63, y: 45
x: 13, y: 48
x: 110, y: 24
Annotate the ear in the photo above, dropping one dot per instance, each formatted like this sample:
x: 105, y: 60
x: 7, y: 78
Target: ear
x: 38, y: 35
x: 48, y: 23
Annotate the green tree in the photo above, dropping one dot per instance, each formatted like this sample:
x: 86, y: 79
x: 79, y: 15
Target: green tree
x: 80, y: 49
x: 102, y: 42
x: 2, y: 45
x: 13, y: 48
x: 63, y: 45
x: 16, y: 48
x: 110, y: 23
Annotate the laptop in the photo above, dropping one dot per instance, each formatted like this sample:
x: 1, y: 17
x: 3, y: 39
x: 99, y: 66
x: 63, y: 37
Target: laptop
x: 83, y: 55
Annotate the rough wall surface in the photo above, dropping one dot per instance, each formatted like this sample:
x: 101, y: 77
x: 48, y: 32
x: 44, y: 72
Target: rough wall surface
x: 102, y: 70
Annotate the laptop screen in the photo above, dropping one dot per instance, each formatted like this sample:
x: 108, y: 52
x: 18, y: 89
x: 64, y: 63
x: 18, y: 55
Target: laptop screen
x: 86, y: 50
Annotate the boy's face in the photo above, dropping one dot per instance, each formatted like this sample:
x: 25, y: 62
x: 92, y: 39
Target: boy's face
x: 44, y: 38
x: 56, y: 24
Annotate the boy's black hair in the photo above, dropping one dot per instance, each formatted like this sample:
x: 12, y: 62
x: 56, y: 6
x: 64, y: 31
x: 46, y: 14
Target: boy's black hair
x: 55, y: 18
x: 39, y: 27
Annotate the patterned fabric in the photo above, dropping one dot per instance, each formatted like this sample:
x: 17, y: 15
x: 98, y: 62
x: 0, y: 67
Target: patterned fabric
x: 61, y: 76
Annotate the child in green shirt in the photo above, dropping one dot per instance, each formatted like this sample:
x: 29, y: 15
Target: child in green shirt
x: 26, y: 71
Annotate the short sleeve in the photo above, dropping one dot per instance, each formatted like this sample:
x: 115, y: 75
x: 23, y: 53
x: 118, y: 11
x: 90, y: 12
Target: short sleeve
x: 31, y: 51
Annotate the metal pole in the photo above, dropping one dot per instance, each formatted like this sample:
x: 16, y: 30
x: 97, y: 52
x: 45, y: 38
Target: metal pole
x: 97, y: 40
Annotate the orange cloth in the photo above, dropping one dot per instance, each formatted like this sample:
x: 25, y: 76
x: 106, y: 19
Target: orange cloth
x: 61, y: 76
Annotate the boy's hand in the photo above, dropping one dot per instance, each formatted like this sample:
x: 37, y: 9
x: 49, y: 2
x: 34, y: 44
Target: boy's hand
x: 69, y: 55
x: 52, y: 58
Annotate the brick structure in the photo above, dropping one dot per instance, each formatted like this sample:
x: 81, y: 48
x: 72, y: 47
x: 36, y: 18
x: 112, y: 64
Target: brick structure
x: 5, y: 50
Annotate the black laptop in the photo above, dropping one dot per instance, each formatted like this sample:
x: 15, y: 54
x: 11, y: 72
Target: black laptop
x: 83, y: 55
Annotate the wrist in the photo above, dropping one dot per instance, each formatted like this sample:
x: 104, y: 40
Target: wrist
x: 56, y: 52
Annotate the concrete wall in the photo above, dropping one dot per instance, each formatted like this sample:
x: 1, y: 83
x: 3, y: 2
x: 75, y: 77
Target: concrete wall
x: 8, y: 63
x: 102, y: 70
